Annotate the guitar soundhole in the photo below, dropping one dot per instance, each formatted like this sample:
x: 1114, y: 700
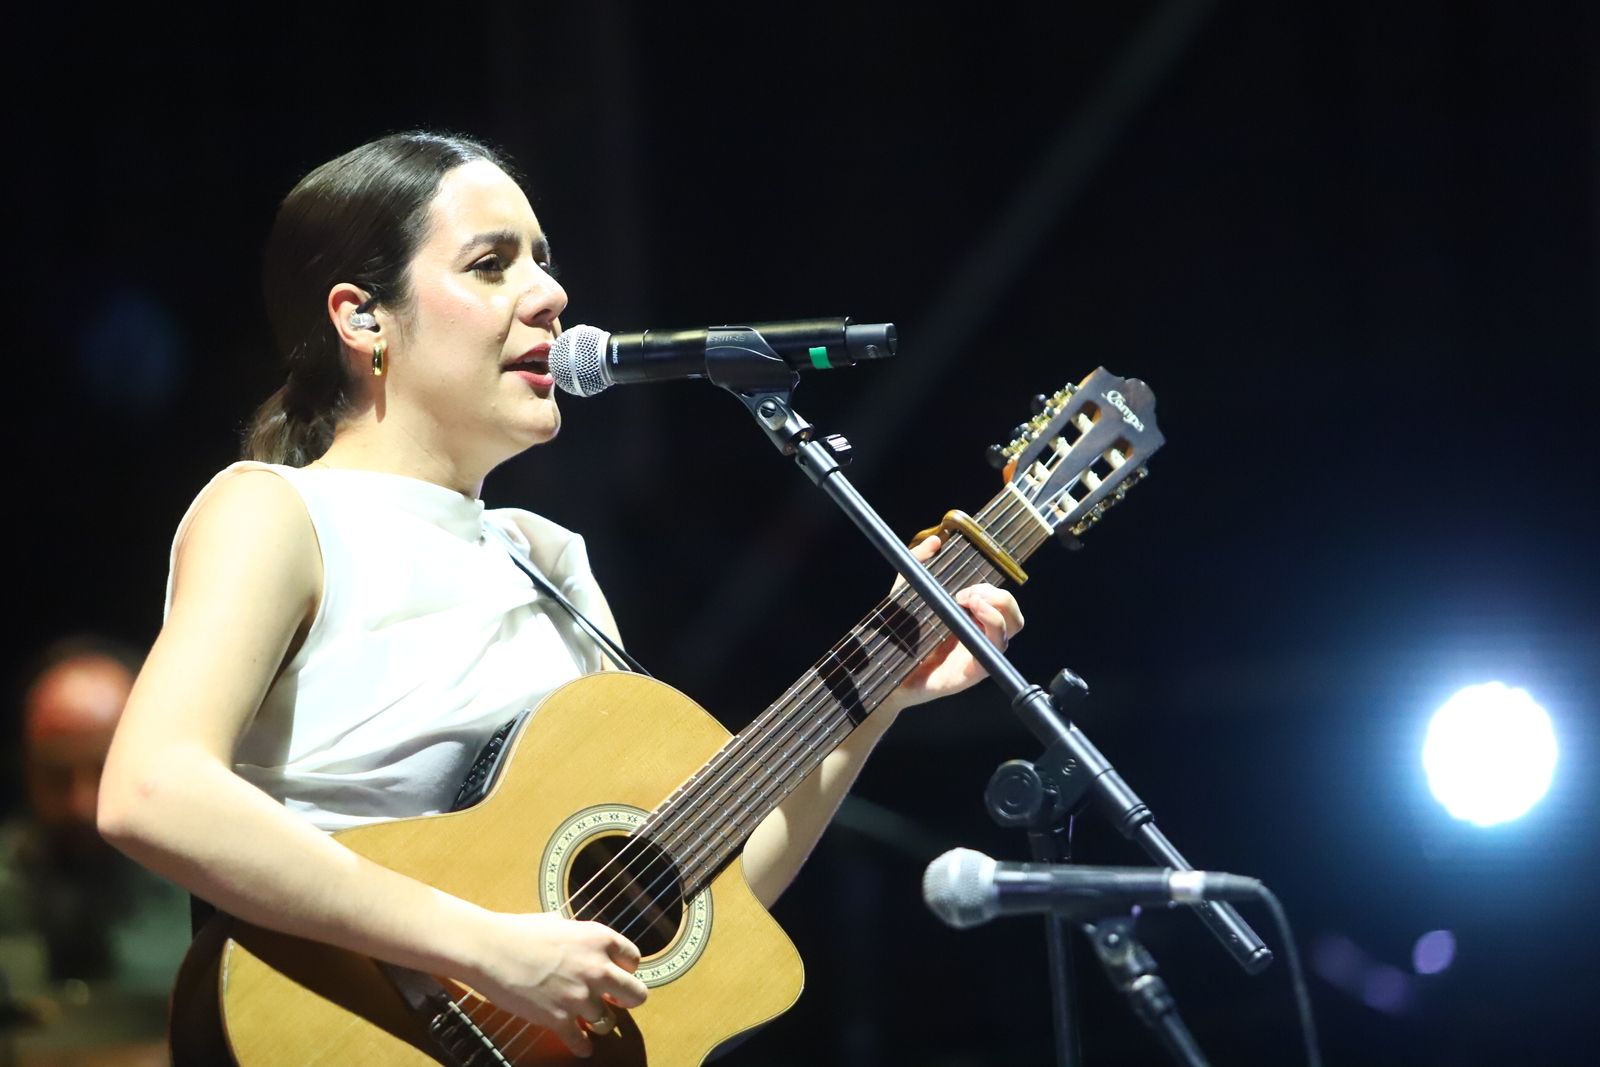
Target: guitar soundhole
x: 639, y: 895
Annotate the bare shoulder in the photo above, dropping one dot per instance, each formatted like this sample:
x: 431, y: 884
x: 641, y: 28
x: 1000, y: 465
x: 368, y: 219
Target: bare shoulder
x: 258, y: 493
x: 246, y: 581
x: 249, y: 527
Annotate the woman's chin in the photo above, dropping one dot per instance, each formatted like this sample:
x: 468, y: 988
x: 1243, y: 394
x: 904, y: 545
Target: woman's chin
x: 540, y: 430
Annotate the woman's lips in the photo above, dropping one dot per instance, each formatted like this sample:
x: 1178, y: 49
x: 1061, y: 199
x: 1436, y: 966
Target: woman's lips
x: 543, y: 382
x: 533, y: 367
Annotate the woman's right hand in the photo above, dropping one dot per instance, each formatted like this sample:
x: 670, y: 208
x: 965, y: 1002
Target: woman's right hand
x: 556, y: 972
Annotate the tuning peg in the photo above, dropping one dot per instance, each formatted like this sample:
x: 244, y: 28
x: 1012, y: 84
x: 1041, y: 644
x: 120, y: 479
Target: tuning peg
x: 1068, y: 539
x: 1039, y: 403
x: 1022, y: 429
x: 997, y: 457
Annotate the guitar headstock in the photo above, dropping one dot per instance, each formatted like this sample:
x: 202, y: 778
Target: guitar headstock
x: 1084, y: 448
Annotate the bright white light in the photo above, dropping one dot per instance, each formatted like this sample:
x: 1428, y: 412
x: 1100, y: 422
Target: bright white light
x: 1490, y: 754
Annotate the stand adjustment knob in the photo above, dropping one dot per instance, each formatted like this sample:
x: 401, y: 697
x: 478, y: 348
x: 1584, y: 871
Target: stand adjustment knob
x: 840, y: 448
x: 1067, y: 688
x: 1016, y: 795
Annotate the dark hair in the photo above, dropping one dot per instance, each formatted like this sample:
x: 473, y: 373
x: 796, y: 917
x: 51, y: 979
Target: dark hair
x: 359, y: 219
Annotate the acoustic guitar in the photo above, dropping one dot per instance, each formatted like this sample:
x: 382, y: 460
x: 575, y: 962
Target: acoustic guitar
x: 622, y: 801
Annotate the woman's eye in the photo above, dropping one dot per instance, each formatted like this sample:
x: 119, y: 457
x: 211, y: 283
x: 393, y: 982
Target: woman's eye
x: 489, y: 266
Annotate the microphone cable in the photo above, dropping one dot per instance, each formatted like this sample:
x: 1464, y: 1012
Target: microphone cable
x: 1297, y: 978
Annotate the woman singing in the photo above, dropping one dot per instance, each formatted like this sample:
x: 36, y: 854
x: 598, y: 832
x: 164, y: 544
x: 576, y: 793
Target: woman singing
x: 346, y: 623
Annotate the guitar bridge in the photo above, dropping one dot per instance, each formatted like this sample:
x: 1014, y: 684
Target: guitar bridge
x: 461, y: 1040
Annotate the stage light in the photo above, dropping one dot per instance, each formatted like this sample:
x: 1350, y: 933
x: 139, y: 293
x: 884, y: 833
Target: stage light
x: 1433, y: 952
x: 1490, y: 754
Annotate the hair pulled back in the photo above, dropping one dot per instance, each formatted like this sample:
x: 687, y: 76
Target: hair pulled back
x: 358, y: 219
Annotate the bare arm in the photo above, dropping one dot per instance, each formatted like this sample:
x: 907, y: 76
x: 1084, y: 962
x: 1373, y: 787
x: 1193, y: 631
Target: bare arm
x: 778, y: 847
x: 247, y: 579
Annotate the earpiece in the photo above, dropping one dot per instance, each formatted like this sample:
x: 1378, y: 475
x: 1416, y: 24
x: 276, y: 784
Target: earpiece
x: 363, y: 320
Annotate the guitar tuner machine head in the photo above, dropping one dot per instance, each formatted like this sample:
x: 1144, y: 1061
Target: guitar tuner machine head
x: 1084, y: 447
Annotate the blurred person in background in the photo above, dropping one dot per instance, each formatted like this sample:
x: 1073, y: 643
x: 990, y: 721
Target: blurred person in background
x: 89, y: 940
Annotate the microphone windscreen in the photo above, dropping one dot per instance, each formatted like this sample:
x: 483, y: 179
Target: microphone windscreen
x: 958, y: 887
x: 578, y: 361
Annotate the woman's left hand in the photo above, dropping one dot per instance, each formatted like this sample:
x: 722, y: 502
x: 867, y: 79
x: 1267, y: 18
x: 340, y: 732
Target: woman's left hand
x: 950, y: 668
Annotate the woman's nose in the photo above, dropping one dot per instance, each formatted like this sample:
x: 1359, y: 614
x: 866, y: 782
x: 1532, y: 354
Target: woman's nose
x: 542, y: 301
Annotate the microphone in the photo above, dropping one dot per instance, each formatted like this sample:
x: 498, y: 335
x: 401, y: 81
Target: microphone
x: 586, y: 360
x: 966, y: 888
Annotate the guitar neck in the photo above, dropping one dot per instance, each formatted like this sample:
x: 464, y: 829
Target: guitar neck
x: 707, y: 820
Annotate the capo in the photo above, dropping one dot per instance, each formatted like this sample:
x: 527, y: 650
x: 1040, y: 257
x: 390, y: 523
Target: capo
x: 964, y: 524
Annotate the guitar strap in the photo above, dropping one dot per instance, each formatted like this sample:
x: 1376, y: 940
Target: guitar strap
x: 544, y: 585
x: 476, y: 785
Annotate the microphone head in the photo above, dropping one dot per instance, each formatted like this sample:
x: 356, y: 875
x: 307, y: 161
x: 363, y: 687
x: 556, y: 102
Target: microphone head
x: 959, y: 887
x: 578, y: 361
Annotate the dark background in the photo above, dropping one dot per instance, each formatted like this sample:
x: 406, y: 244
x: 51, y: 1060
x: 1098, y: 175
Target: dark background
x: 1351, y: 247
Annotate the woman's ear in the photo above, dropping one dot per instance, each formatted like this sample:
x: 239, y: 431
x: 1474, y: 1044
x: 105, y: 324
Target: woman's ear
x: 358, y: 329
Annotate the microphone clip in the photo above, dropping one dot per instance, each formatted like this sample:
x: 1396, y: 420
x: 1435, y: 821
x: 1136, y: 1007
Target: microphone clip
x: 740, y: 360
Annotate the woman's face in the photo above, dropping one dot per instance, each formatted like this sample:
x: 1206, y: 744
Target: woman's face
x: 469, y: 371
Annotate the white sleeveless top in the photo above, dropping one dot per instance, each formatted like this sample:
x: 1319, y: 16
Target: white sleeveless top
x: 427, y: 638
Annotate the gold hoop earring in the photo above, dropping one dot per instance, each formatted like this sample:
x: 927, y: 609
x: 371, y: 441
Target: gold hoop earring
x: 377, y: 359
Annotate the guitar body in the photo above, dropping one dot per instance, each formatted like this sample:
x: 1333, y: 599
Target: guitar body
x: 595, y: 751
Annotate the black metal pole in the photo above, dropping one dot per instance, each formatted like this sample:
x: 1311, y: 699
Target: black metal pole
x: 768, y: 402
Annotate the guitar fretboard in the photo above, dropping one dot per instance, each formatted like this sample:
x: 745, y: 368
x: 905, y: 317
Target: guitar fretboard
x: 705, y: 823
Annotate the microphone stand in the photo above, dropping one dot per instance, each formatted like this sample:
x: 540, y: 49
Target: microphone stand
x: 1032, y: 797
x: 764, y: 383
x: 1042, y: 799
x: 1132, y: 970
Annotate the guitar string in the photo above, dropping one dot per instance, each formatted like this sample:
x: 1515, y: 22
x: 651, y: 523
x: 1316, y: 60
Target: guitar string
x: 839, y: 719
x: 830, y: 724
x: 804, y: 690
x: 970, y: 562
x: 786, y: 780
x: 650, y: 891
x: 727, y: 756
x: 673, y: 840
x: 672, y: 827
